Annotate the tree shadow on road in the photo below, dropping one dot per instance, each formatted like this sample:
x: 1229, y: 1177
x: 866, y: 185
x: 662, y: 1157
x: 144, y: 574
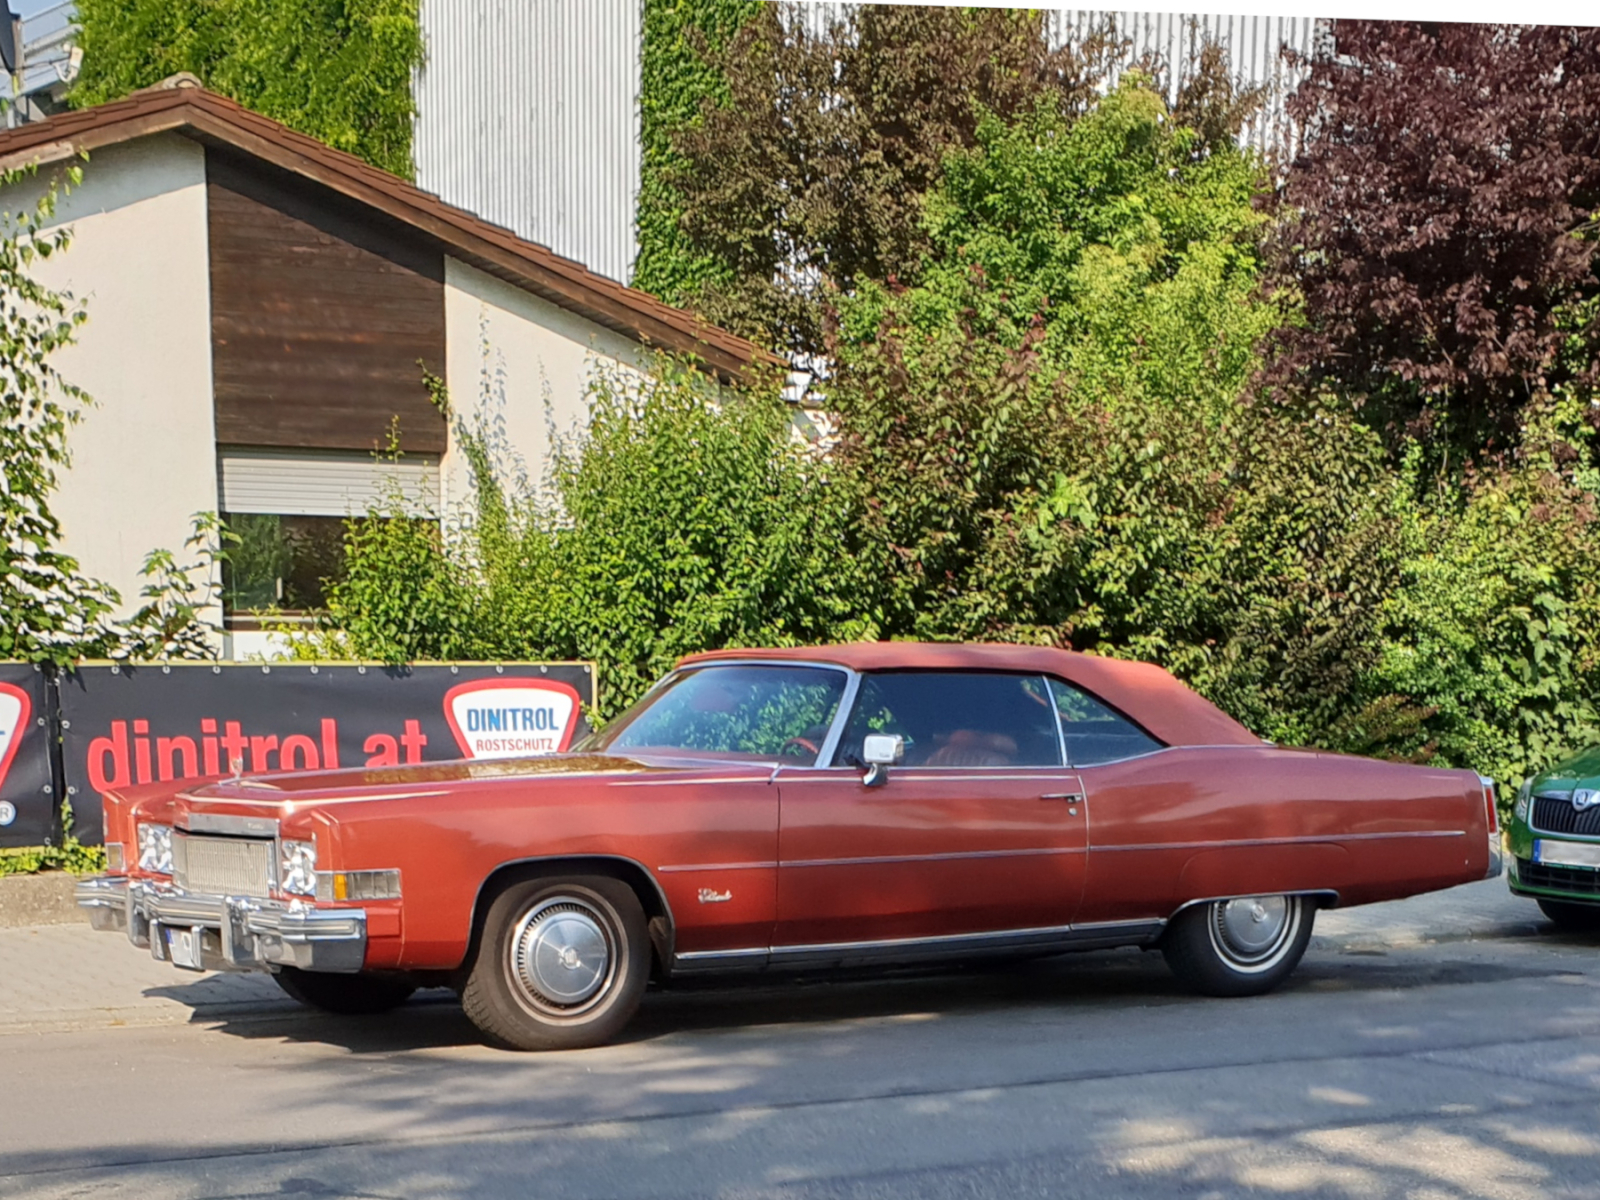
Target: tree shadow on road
x: 1051, y: 988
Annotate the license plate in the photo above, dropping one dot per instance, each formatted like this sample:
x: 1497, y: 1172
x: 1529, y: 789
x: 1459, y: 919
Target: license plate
x: 1566, y: 854
x: 183, y: 948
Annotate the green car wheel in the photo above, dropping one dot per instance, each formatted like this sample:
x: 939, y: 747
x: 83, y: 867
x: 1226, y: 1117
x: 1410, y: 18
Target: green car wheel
x: 1574, y: 918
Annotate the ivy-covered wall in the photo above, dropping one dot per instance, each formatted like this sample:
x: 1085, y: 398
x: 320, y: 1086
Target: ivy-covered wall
x: 339, y: 70
x: 674, y: 80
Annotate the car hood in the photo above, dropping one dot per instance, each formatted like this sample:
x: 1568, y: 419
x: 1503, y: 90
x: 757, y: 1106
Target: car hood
x: 1581, y: 770
x: 295, y: 785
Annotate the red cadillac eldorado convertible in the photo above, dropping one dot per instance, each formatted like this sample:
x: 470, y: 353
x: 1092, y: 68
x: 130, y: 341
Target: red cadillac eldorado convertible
x: 779, y: 809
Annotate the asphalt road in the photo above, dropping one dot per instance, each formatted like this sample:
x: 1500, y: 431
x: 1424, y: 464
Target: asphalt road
x: 1440, y: 1048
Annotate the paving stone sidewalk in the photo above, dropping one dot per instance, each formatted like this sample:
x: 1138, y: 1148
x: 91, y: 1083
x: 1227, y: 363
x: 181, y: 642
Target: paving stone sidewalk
x: 57, y: 977
x: 72, y: 977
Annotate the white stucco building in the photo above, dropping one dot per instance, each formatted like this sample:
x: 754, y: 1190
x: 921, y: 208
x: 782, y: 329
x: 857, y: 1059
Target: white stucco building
x: 261, y: 309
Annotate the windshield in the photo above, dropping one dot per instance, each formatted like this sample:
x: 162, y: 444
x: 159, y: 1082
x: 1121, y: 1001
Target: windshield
x: 733, y: 710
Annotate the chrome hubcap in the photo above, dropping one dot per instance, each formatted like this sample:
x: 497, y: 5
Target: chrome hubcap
x: 561, y: 956
x: 1253, y: 932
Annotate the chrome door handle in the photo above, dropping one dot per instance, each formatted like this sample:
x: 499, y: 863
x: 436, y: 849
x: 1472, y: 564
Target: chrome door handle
x: 1073, y: 797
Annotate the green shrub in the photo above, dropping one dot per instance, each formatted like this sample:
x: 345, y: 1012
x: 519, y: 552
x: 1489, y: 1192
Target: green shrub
x: 683, y: 518
x: 1495, y: 627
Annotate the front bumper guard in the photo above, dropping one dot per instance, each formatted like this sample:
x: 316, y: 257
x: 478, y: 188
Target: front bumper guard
x: 230, y: 933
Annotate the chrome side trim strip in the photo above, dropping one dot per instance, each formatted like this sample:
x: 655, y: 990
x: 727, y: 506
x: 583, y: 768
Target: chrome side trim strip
x: 734, y: 866
x: 1039, y: 775
x: 716, y: 961
x: 1010, y: 941
x: 707, y: 955
x: 1049, y: 939
x: 878, y: 860
x: 307, y: 797
x: 952, y: 940
x: 1307, y: 839
x: 698, y: 783
x: 1330, y: 894
x: 1113, y: 926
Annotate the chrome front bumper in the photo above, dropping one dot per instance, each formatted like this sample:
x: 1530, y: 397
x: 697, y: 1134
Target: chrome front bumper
x: 232, y: 933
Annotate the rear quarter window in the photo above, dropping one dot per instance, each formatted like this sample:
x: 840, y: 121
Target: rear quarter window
x: 1093, y: 731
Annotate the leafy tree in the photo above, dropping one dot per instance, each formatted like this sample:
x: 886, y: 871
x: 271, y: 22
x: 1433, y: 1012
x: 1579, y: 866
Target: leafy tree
x: 1047, y: 433
x: 52, y: 612
x: 339, y: 70
x: 677, y: 75
x: 810, y: 176
x: 1249, y: 551
x: 1440, y: 222
x: 1494, y: 631
x: 1126, y: 237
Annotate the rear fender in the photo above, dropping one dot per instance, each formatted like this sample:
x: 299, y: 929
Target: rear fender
x: 1316, y: 868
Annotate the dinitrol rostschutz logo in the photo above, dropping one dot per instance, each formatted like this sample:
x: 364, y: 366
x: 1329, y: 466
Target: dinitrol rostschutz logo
x: 511, y: 717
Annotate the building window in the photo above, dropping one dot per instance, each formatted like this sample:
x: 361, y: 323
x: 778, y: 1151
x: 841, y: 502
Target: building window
x: 288, y: 511
x: 281, y: 561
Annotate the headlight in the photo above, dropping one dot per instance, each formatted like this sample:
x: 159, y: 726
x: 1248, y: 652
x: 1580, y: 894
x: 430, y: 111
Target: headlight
x: 297, y: 868
x: 1523, y: 793
x: 155, y: 849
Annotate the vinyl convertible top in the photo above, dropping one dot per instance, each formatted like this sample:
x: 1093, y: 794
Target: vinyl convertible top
x: 1145, y: 692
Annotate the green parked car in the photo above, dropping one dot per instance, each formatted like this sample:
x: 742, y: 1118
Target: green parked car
x: 1554, y: 842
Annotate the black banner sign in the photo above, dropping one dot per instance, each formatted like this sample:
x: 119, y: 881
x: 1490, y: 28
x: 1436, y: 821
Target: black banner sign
x: 27, y: 790
x: 149, y: 723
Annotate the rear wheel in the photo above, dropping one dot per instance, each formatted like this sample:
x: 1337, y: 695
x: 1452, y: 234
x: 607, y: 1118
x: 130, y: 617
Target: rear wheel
x: 562, y: 964
x: 1572, y: 916
x: 349, y: 995
x: 1239, y: 947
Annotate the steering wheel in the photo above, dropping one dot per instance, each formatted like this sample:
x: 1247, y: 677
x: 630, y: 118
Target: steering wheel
x: 803, y: 743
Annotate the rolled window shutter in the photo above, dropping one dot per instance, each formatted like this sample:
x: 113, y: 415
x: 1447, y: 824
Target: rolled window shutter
x: 326, y: 483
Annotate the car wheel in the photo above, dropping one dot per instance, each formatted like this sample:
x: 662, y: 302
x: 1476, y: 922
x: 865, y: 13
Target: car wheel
x: 1239, y: 947
x: 348, y: 995
x: 561, y: 964
x: 1572, y: 916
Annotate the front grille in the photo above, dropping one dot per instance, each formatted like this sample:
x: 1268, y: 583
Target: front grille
x: 1564, y: 879
x: 222, y: 866
x: 1553, y: 814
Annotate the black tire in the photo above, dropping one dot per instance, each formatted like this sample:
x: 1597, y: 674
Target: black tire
x: 562, y: 964
x: 1572, y: 916
x: 1238, y: 947
x: 347, y: 995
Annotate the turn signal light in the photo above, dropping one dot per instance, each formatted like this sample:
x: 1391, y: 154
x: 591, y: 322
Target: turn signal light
x: 358, y: 885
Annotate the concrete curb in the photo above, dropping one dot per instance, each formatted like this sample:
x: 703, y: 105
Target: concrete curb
x: 44, y: 899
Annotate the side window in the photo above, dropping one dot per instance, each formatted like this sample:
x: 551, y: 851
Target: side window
x: 956, y: 719
x: 1093, y: 732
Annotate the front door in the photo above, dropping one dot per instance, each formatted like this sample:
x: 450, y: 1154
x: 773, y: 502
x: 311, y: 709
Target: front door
x: 981, y: 829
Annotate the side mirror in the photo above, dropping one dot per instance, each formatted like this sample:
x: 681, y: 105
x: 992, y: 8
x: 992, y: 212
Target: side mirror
x: 879, y: 751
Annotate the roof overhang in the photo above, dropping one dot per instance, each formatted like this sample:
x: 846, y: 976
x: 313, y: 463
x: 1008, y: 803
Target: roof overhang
x: 215, y: 120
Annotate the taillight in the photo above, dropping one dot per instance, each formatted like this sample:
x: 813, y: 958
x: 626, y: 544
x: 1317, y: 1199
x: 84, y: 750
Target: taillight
x: 1491, y: 803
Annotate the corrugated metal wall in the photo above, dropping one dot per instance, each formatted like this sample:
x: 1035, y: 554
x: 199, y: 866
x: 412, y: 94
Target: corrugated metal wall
x: 528, y: 115
x: 1254, y: 45
x: 528, y: 110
